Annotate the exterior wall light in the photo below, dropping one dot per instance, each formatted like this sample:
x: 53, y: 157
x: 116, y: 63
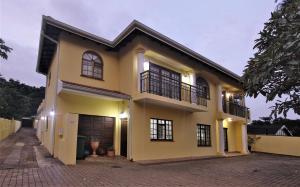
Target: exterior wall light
x: 123, y: 115
x: 52, y: 113
x: 146, y: 66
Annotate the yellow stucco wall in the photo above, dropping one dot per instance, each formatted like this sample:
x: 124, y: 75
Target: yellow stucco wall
x: 234, y: 132
x: 8, y: 127
x: 286, y: 145
x: 67, y: 141
x: 184, y: 142
x: 50, y: 100
x: 72, y: 50
x: 76, y: 104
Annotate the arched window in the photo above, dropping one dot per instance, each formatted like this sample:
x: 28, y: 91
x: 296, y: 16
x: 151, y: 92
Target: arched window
x: 92, y: 65
x: 203, y: 86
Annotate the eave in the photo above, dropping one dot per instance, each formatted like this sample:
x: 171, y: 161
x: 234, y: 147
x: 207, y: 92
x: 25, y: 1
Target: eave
x: 52, y: 28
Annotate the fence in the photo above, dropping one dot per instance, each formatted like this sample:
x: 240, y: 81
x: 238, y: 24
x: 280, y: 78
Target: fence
x: 7, y: 127
x: 285, y: 145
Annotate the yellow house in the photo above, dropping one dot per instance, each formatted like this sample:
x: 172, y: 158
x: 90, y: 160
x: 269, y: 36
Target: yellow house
x: 142, y: 93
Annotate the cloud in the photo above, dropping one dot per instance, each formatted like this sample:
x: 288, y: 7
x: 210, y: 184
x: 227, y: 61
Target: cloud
x: 21, y: 65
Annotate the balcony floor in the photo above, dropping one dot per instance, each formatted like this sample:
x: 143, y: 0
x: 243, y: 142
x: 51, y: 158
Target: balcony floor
x: 168, y: 102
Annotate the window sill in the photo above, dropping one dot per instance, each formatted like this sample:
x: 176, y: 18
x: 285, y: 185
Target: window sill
x: 204, y: 146
x: 154, y: 140
x: 90, y: 77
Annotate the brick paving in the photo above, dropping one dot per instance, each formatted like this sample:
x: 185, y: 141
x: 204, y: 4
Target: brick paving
x: 253, y: 170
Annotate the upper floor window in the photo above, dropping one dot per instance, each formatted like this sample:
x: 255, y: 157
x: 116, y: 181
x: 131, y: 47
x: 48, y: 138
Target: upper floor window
x: 92, y: 65
x: 203, y: 86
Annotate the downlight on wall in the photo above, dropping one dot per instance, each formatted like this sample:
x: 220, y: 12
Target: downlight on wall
x: 52, y: 113
x: 123, y: 115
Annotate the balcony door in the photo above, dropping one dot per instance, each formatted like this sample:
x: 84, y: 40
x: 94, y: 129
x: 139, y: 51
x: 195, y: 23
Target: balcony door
x: 164, y: 82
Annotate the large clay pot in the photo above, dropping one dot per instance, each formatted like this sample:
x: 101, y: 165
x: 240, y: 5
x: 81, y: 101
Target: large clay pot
x: 111, y: 152
x: 94, y: 145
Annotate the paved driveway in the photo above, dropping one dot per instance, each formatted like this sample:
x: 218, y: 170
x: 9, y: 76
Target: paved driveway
x: 253, y: 170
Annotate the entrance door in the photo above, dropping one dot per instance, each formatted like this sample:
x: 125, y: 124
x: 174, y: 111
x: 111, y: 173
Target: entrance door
x: 225, y: 139
x: 124, y: 137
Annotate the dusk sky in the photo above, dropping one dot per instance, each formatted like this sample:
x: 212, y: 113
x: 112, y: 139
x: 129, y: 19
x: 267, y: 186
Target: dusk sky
x: 223, y: 31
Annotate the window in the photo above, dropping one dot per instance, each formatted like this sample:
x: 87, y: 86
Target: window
x: 164, y: 82
x: 161, y: 129
x: 202, y: 84
x: 92, y: 65
x: 203, y: 135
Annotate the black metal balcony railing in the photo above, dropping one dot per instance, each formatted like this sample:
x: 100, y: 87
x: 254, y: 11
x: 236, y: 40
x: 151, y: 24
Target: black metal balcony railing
x: 154, y: 83
x: 236, y: 109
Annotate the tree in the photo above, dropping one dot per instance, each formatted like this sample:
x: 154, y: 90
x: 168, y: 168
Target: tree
x: 19, y: 100
x: 4, y: 49
x: 274, y: 71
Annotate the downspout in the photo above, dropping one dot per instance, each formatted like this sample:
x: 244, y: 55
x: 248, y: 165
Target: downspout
x: 56, y: 86
x: 130, y: 127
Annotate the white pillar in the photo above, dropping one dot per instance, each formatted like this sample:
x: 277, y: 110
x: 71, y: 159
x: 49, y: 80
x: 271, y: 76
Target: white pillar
x: 220, y: 133
x: 244, y: 139
x: 140, y: 64
x: 219, y: 96
x: 193, y: 79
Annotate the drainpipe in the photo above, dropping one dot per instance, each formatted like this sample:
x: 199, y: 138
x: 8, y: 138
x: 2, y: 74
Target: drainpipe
x: 56, y: 86
x: 130, y: 128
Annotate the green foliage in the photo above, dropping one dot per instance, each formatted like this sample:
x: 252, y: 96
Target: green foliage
x: 19, y: 100
x: 4, y: 49
x: 274, y: 71
x: 292, y: 124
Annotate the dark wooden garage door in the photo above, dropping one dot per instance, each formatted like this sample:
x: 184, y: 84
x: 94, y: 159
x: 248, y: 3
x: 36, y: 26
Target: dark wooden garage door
x: 97, y: 126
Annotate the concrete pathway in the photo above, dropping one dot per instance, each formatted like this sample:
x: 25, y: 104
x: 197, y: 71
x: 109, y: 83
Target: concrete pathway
x: 20, y: 150
x: 23, y: 162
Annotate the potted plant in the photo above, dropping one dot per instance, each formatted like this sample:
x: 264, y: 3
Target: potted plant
x: 94, y: 145
x: 251, y: 142
x: 111, y: 151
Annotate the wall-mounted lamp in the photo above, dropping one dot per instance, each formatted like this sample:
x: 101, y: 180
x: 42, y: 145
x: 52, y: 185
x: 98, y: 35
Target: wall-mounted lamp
x: 52, y: 113
x: 43, y: 118
x: 229, y: 119
x: 123, y: 115
x: 146, y: 65
x: 228, y: 94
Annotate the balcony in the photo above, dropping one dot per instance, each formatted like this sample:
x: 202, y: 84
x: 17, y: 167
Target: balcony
x: 169, y: 88
x: 236, y: 109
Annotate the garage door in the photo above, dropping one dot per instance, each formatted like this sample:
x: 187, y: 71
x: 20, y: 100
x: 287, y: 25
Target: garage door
x: 101, y: 127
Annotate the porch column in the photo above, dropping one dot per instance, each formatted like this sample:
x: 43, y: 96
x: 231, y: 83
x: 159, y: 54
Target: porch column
x: 244, y: 139
x: 219, y: 96
x: 220, y: 133
x: 140, y: 65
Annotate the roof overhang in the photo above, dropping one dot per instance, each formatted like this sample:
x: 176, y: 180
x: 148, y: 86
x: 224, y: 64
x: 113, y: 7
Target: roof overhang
x: 52, y: 28
x: 77, y: 89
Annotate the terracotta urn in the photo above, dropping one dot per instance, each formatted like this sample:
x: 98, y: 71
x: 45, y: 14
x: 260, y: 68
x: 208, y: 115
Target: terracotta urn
x: 94, y: 145
x: 111, y: 152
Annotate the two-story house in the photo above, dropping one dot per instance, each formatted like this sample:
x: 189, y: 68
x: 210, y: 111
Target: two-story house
x: 142, y: 93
